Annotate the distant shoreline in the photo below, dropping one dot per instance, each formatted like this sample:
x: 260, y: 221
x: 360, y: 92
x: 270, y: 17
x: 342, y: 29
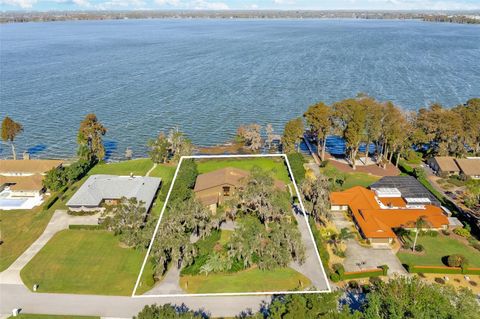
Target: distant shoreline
x: 463, y: 17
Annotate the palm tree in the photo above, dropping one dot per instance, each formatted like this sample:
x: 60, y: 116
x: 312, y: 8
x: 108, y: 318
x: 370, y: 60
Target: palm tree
x: 339, y: 238
x: 419, y: 224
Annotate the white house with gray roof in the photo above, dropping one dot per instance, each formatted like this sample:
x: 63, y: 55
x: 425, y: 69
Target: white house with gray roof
x: 108, y: 189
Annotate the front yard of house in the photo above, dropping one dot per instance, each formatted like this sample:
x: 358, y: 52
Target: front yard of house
x: 86, y: 262
x: 19, y: 229
x: 435, y: 248
x: 253, y: 279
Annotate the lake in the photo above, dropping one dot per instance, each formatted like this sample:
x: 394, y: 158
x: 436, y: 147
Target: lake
x: 209, y: 76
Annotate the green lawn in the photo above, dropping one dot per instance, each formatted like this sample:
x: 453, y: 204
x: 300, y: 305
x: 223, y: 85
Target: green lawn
x: 86, y: 262
x: 19, y: 229
x: 137, y: 167
x: 438, y: 247
x: 267, y: 163
x: 32, y: 316
x: 165, y: 172
x: 251, y: 280
x: 351, y: 179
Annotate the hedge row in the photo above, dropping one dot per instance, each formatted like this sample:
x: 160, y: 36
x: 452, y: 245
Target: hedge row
x: 363, y: 274
x: 53, y: 199
x: 442, y: 270
x: 86, y: 227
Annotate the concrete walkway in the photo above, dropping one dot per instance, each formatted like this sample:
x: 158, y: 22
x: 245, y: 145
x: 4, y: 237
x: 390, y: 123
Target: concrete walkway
x: 312, y: 267
x: 18, y: 296
x: 60, y: 221
x: 151, y: 169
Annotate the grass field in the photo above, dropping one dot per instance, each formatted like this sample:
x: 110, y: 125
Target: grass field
x: 20, y: 228
x: 251, y: 280
x: 32, y: 316
x: 86, y: 262
x: 438, y: 247
x: 138, y: 167
x: 351, y: 179
x: 271, y: 164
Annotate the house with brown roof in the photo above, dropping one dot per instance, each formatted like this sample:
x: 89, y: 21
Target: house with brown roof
x: 378, y: 212
x: 23, y: 178
x: 444, y: 165
x: 213, y: 188
x: 469, y: 167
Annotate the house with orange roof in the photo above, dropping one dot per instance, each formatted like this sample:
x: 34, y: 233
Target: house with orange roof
x: 378, y: 212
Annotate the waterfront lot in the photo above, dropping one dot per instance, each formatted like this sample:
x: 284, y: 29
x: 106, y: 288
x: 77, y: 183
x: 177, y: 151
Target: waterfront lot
x: 213, y: 250
x: 438, y: 247
x: 349, y: 179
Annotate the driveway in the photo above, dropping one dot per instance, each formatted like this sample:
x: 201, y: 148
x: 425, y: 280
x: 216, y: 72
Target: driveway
x: 360, y: 258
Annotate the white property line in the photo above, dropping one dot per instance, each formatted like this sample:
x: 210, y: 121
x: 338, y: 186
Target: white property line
x: 233, y: 293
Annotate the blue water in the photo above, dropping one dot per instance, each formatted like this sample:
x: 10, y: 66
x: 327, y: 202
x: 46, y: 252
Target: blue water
x: 209, y: 76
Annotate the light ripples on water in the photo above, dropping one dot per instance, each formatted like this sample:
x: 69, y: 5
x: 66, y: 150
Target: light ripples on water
x: 209, y: 76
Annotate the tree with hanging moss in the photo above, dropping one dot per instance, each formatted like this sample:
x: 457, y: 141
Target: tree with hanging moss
x: 319, y: 119
x: 10, y: 130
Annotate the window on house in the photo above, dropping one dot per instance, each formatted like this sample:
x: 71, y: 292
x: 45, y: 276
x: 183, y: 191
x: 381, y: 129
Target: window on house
x: 226, y: 190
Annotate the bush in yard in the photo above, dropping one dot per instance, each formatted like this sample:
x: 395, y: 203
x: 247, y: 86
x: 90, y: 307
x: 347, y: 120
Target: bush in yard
x: 419, y: 248
x: 456, y: 260
x: 462, y: 232
x: 439, y: 281
x: 446, y: 232
x: 339, y: 269
x: 385, y: 269
x: 167, y: 312
x: 476, y: 246
x: 335, y: 277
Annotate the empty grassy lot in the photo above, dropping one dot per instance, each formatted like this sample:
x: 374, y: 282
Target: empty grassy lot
x: 250, y: 280
x: 276, y: 165
x: 20, y: 228
x: 438, y: 247
x: 86, y: 262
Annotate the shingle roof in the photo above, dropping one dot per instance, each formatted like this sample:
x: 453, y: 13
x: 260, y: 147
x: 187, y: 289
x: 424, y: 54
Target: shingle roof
x: 409, y: 186
x: 229, y: 175
x: 23, y: 183
x: 99, y: 187
x: 27, y: 166
x: 446, y: 164
x: 469, y: 167
x: 377, y: 222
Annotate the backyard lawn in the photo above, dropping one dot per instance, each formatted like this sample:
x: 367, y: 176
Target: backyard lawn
x: 138, y: 167
x: 267, y: 163
x: 19, y: 229
x: 250, y: 280
x: 86, y: 262
x: 438, y: 247
x: 351, y: 179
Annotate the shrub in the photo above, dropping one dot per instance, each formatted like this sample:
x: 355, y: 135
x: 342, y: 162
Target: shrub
x: 421, y: 275
x: 439, y: 281
x: 353, y: 284
x: 476, y: 246
x: 473, y: 283
x: 419, y: 248
x: 462, y: 232
x: 339, y: 269
x: 432, y: 233
x: 86, y: 227
x: 456, y: 260
x: 335, y: 277
x: 446, y: 232
x: 324, y: 163
x: 186, y: 177
x: 384, y: 269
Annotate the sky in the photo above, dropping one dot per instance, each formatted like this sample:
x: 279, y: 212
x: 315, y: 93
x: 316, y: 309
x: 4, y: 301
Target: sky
x: 240, y: 4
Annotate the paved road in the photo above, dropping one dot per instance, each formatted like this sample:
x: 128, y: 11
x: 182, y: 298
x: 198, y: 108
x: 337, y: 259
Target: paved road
x: 60, y: 221
x: 17, y: 296
x: 312, y: 267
